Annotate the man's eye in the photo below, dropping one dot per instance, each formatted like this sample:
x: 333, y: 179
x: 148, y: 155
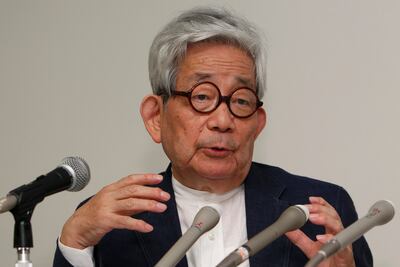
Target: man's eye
x: 242, y: 102
x: 200, y: 97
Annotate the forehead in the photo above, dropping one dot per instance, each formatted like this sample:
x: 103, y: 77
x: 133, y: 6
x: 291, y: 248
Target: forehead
x: 216, y: 62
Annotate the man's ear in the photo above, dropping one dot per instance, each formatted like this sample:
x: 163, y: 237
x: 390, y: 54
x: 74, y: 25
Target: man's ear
x: 261, y: 120
x: 151, y: 111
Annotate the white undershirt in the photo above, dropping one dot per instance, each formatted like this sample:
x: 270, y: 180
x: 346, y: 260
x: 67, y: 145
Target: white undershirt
x: 230, y: 232
x: 213, y: 246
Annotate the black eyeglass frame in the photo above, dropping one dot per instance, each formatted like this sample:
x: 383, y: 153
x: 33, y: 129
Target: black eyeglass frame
x: 221, y: 98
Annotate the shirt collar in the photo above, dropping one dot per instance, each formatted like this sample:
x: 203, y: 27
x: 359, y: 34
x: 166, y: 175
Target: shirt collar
x: 184, y: 192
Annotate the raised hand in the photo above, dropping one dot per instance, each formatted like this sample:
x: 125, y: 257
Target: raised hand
x: 322, y: 213
x: 112, y: 207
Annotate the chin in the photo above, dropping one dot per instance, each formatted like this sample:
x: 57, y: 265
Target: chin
x: 219, y: 168
x: 218, y: 171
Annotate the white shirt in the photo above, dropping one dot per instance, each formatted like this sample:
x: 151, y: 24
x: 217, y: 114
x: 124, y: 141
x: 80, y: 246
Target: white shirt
x: 229, y: 234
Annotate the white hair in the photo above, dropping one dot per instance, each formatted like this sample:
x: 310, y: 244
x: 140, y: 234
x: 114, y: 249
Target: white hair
x: 202, y: 24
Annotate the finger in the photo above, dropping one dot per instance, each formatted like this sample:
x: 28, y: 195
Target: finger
x: 127, y: 222
x: 332, y: 225
x: 140, y: 179
x: 132, y: 206
x: 319, y: 204
x: 303, y: 242
x: 324, y: 238
x: 319, y: 200
x: 317, y: 208
x: 139, y: 191
x: 322, y: 213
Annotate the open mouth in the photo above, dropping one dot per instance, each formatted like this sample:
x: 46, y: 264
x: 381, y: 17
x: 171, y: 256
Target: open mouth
x: 218, y: 148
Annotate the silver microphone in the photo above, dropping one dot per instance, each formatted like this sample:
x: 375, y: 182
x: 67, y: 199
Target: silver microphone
x: 292, y: 218
x: 380, y: 213
x: 205, y: 219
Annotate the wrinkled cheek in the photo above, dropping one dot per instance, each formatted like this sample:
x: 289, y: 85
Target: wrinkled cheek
x: 184, y: 155
x: 184, y: 144
x: 247, y: 152
x: 180, y: 153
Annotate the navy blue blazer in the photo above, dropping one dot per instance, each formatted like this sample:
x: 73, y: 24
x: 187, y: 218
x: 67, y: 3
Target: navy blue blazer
x: 268, y: 192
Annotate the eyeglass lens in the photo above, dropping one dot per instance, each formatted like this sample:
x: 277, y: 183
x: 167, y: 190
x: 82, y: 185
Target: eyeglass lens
x: 205, y: 97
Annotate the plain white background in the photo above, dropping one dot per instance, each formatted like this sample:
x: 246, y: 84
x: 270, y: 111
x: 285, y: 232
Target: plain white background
x: 72, y: 75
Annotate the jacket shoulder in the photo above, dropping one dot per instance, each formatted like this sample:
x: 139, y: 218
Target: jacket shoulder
x: 293, y: 183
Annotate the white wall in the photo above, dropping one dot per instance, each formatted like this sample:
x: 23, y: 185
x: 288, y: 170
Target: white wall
x: 72, y: 74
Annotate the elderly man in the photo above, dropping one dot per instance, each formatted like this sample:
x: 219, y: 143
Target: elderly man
x: 207, y: 70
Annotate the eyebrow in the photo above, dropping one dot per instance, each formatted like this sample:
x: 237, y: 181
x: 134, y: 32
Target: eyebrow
x: 199, y: 77
x: 245, y: 82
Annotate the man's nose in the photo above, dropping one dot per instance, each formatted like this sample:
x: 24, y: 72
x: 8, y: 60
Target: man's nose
x: 221, y: 119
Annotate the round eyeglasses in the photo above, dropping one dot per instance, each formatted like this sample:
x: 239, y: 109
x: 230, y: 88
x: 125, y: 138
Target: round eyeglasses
x: 205, y: 97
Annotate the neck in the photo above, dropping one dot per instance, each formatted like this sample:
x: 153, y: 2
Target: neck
x: 208, y: 184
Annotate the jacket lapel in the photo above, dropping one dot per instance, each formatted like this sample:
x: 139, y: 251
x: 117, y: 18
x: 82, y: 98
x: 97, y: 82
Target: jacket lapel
x: 167, y: 229
x: 263, y: 207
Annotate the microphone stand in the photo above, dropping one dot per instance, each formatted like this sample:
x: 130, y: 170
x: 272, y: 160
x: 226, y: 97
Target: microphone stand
x: 23, y: 258
x: 23, y: 240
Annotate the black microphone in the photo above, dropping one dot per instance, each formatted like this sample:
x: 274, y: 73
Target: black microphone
x: 205, y: 219
x: 73, y: 174
x: 292, y: 218
x: 380, y: 213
